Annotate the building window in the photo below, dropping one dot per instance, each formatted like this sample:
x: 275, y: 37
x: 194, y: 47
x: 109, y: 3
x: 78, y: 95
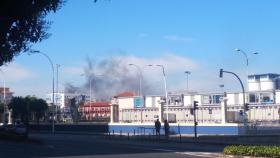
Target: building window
x: 267, y: 98
x: 253, y: 98
x: 216, y: 99
x: 207, y: 99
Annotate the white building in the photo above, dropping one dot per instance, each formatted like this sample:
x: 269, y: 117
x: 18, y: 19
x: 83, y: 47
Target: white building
x: 5, y: 95
x: 263, y: 98
x: 62, y: 99
x: 264, y: 88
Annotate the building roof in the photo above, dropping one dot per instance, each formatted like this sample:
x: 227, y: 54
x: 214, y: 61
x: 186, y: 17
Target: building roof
x: 267, y: 74
x: 126, y: 94
x: 7, y: 90
x: 97, y: 104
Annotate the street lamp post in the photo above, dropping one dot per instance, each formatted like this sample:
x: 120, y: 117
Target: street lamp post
x: 165, y: 88
x: 245, y: 106
x: 247, y: 59
x: 187, y: 73
x: 90, y: 80
x: 52, y: 66
x: 90, y: 95
x: 90, y: 90
x: 140, y: 78
x: 57, y: 66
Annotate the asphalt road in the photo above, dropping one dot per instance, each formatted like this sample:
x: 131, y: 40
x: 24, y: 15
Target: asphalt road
x: 83, y: 146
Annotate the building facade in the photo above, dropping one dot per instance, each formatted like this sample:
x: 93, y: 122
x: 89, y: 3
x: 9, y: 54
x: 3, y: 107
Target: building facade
x: 5, y: 95
x: 66, y: 105
x: 95, y: 111
x: 263, y: 97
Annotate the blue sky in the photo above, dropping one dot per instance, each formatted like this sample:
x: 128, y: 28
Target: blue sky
x: 202, y: 33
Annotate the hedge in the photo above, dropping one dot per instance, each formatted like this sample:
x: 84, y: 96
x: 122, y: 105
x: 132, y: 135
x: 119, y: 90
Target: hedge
x: 256, y: 151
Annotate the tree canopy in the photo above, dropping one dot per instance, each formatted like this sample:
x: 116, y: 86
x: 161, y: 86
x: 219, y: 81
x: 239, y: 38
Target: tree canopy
x: 22, y: 108
x: 22, y: 22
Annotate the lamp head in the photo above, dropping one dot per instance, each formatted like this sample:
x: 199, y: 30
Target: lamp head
x: 33, y: 52
x: 221, y: 73
x: 237, y: 49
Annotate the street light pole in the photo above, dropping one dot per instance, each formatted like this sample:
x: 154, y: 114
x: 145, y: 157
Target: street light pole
x: 90, y: 87
x: 165, y: 89
x: 140, y: 78
x: 90, y: 80
x: 57, y: 66
x: 52, y: 66
x: 247, y: 59
x: 245, y: 106
x: 187, y: 73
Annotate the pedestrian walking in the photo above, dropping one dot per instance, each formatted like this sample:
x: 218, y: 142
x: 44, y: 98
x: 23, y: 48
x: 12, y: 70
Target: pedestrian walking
x: 157, y: 126
x: 166, y: 129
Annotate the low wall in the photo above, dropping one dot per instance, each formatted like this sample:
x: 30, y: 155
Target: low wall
x: 231, y: 129
x: 90, y: 128
x: 138, y: 128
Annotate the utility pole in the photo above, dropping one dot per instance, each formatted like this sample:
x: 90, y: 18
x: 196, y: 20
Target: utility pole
x: 245, y: 105
x: 57, y: 66
x: 195, y: 104
x: 52, y: 67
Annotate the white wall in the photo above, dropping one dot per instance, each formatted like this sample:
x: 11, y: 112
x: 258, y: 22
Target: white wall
x: 149, y: 101
x: 198, y: 98
x: 188, y: 100
x: 126, y: 103
x: 254, y: 86
x: 267, y: 85
x: 277, y: 97
x: 231, y: 99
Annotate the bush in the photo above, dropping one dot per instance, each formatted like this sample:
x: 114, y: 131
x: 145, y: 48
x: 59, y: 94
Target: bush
x: 257, y: 151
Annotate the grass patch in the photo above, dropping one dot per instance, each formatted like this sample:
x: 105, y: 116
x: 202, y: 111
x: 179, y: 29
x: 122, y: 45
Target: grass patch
x: 256, y: 151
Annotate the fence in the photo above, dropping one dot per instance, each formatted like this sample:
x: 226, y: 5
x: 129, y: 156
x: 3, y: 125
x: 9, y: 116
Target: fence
x: 205, y: 114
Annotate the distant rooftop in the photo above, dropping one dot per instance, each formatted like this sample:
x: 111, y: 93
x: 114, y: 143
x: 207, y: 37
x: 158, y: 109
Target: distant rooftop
x: 271, y: 75
x: 97, y: 104
x: 126, y: 94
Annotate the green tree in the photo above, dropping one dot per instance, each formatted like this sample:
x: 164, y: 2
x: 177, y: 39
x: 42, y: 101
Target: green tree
x: 20, y: 109
x: 22, y: 22
x: 38, y: 107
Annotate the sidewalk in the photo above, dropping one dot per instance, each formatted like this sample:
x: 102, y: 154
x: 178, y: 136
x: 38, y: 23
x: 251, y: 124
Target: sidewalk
x: 161, y: 145
x: 203, y: 139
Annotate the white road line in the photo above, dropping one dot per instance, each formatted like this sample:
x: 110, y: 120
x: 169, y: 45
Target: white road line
x: 201, y: 154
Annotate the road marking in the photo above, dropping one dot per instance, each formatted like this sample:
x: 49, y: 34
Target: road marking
x: 201, y: 154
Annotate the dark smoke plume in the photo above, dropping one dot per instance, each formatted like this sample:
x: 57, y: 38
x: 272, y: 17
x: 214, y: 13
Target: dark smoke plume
x: 110, y: 77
